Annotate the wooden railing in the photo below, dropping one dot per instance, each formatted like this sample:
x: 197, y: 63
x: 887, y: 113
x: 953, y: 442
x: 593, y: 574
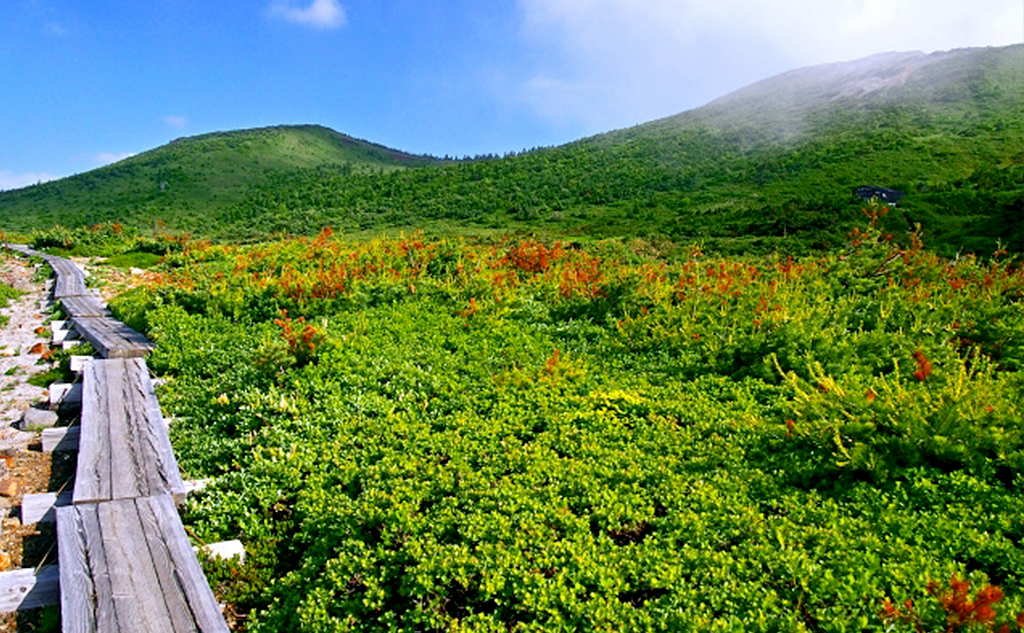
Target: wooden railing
x: 125, y: 562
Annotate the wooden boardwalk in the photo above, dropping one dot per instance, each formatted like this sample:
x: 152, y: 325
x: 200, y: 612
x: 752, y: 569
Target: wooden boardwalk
x: 124, y: 451
x: 125, y: 562
x: 108, y: 336
x: 127, y: 566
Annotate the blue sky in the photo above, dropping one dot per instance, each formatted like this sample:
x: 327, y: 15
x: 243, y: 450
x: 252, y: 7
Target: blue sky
x: 86, y: 82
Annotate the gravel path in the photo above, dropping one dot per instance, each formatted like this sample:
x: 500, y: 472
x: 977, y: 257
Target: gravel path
x: 21, y: 355
x: 20, y: 350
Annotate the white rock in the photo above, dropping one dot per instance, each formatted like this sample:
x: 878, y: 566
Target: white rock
x: 34, y: 419
x: 224, y: 550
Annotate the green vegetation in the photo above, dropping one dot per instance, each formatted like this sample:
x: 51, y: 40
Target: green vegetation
x: 438, y: 435
x: 134, y: 259
x: 7, y: 294
x: 769, y: 168
x: 46, y: 378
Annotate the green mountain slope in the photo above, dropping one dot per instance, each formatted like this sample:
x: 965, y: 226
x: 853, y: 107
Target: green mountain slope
x: 181, y: 183
x: 947, y: 129
x: 771, y: 166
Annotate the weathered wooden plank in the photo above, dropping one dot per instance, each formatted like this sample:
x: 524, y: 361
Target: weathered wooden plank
x: 77, y: 363
x: 77, y: 592
x: 24, y: 249
x: 136, y: 591
x: 223, y: 550
x: 130, y: 568
x: 173, y: 597
x: 127, y: 476
x: 121, y: 569
x: 93, y: 470
x: 106, y: 617
x: 83, y: 306
x: 134, y: 441
x: 197, y: 590
x: 111, y: 338
x: 70, y: 278
x: 65, y: 394
x: 161, y: 466
x: 23, y: 589
x: 40, y: 507
x: 61, y: 438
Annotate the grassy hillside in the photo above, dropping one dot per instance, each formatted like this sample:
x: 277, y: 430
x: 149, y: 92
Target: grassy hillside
x: 772, y: 166
x: 180, y: 184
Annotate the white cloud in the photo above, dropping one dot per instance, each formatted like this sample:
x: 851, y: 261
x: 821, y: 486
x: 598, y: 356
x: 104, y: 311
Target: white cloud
x: 11, y: 180
x: 618, y: 62
x: 321, y: 14
x: 174, y: 120
x: 106, y: 158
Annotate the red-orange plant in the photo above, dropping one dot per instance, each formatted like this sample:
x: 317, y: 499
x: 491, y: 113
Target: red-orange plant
x: 304, y: 340
x: 959, y: 611
x: 924, y: 366
x: 533, y: 257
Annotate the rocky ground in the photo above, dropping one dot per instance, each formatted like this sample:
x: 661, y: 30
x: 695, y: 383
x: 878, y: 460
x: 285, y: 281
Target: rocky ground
x: 23, y: 351
x: 22, y: 343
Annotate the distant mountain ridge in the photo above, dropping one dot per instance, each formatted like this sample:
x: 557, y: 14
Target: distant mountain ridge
x: 170, y: 183
x: 781, y: 102
x: 770, y: 166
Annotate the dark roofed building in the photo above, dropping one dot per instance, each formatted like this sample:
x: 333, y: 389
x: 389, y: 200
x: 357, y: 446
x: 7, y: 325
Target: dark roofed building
x: 889, y: 196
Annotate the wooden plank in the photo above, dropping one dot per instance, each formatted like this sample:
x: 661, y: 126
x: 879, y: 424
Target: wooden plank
x: 61, y: 438
x: 70, y: 278
x: 83, y: 306
x: 127, y: 476
x: 136, y: 587
x: 127, y: 566
x: 24, y: 249
x: 161, y: 467
x: 197, y: 590
x: 77, y: 592
x: 59, y: 336
x: 41, y: 507
x: 65, y: 394
x: 223, y: 550
x: 23, y: 589
x: 122, y: 425
x: 67, y: 286
x: 94, y: 444
x: 173, y: 596
x: 77, y: 363
x: 99, y: 571
x: 119, y: 568
x: 113, y: 339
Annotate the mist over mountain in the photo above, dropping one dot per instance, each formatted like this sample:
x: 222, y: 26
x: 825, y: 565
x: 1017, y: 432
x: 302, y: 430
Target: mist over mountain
x: 773, y: 165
